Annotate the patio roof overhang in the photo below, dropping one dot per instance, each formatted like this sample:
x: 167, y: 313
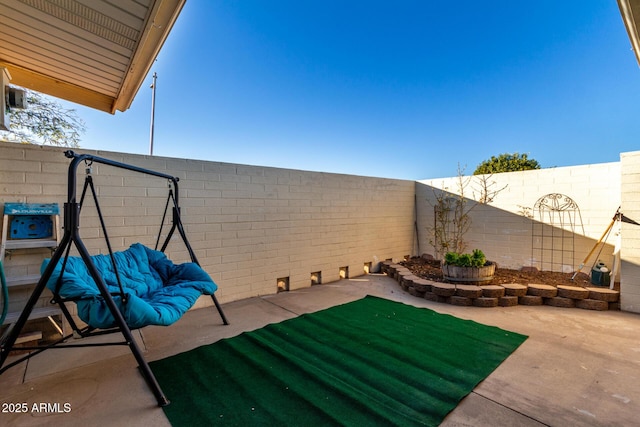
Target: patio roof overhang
x: 95, y: 53
x: 630, y: 11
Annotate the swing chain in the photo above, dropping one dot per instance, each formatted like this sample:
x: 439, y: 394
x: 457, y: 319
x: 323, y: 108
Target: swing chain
x: 89, y: 166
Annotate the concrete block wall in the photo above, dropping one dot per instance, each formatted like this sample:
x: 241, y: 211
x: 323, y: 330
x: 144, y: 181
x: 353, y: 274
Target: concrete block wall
x: 253, y: 226
x: 630, y: 252
x: 505, y: 229
x: 248, y: 225
x: 29, y: 175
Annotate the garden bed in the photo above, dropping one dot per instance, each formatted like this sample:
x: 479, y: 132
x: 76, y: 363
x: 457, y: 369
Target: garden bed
x: 423, y: 278
x: 430, y: 270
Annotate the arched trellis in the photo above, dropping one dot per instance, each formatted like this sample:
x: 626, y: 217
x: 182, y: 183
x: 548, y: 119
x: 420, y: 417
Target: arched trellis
x: 557, y: 218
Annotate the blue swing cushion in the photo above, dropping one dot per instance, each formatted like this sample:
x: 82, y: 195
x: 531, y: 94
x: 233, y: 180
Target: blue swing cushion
x: 158, y: 291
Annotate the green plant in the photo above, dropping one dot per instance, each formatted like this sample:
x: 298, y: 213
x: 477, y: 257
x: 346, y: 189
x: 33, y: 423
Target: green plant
x: 451, y: 258
x: 474, y: 259
x: 507, y: 162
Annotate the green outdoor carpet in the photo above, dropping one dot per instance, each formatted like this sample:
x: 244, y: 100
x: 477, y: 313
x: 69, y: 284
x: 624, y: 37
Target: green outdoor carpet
x: 368, y: 362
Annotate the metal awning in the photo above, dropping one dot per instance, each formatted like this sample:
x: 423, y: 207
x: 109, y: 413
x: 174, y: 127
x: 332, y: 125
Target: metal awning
x: 630, y: 11
x: 92, y: 52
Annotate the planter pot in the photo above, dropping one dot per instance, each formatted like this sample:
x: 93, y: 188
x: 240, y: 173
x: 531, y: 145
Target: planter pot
x: 482, y: 274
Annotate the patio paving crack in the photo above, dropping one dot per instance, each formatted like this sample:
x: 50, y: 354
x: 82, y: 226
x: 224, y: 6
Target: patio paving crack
x: 502, y: 405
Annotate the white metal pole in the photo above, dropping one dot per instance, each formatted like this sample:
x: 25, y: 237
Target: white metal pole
x: 153, y: 111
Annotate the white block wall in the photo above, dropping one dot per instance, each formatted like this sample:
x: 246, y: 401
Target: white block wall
x: 630, y: 274
x: 505, y: 234
x: 251, y: 226
x: 248, y: 225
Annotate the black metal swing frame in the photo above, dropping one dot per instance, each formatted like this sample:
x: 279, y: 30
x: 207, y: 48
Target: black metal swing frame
x: 71, y: 237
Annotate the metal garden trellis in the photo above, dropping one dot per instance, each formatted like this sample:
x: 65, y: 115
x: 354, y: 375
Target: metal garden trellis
x: 556, y: 219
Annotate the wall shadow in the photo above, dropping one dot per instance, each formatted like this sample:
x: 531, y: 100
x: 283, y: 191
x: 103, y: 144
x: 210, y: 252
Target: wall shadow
x: 515, y: 240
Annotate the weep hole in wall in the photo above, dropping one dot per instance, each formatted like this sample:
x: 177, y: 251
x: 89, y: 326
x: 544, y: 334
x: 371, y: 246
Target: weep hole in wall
x: 283, y: 284
x: 316, y: 278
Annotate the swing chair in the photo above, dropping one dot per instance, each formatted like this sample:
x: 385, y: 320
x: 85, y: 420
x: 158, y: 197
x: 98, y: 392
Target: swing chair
x: 119, y: 291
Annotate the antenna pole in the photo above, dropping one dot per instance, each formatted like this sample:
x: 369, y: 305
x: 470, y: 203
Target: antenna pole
x: 153, y: 111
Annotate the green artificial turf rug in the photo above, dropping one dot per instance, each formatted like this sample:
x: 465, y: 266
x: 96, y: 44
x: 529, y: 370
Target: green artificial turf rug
x: 368, y: 362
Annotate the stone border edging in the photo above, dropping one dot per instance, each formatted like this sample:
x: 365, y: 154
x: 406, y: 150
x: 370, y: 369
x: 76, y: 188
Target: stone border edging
x: 506, y: 295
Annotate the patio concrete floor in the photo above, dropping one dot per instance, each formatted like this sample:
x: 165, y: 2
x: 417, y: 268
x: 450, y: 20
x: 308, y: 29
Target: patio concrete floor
x: 578, y: 367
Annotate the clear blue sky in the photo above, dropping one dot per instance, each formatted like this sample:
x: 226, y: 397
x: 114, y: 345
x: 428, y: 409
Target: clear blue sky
x: 399, y: 89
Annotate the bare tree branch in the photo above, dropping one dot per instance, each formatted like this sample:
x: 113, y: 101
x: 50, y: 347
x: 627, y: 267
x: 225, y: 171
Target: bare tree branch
x: 45, y: 121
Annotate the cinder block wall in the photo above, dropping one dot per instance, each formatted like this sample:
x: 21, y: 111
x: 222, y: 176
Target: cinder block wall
x: 630, y: 273
x: 509, y: 229
x: 248, y: 225
x: 251, y: 226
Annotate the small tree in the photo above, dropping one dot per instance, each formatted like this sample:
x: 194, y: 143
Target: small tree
x: 45, y: 121
x: 451, y: 212
x: 451, y: 218
x: 484, y: 190
x: 506, y: 163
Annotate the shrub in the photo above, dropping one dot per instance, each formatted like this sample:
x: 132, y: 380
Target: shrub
x: 478, y: 258
x: 451, y: 258
x: 474, y: 259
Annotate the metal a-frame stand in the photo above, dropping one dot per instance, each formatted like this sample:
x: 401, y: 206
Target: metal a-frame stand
x: 72, y: 237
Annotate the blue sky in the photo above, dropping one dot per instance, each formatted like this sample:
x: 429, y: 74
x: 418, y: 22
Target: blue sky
x: 399, y: 89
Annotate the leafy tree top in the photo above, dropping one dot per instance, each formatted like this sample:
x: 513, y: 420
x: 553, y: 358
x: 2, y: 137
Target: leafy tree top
x: 506, y: 162
x: 45, y: 121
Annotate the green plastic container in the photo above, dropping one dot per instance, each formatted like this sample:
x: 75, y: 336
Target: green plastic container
x: 600, y: 275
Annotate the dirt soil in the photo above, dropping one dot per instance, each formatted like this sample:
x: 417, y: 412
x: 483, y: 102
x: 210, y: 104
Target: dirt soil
x: 430, y: 270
